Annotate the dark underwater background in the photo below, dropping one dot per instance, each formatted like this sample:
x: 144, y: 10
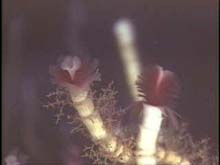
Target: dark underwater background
x: 180, y: 35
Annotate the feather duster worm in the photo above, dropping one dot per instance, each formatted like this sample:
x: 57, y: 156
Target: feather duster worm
x: 76, y: 75
x: 159, y: 88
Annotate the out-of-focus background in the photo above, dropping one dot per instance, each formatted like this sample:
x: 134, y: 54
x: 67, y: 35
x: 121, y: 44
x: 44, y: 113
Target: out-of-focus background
x: 180, y: 35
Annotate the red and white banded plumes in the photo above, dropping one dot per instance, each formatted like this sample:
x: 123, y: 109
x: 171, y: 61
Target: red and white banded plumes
x: 158, y: 87
x: 75, y: 73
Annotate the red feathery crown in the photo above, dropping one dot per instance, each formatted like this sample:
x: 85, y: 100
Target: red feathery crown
x: 158, y: 87
x: 75, y: 72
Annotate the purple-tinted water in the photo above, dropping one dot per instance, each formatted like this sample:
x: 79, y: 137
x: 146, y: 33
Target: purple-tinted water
x: 179, y: 35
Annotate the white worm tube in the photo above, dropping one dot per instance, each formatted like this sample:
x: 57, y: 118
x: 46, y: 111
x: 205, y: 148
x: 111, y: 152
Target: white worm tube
x: 124, y: 32
x: 147, y: 138
x: 98, y: 131
x: 91, y: 119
